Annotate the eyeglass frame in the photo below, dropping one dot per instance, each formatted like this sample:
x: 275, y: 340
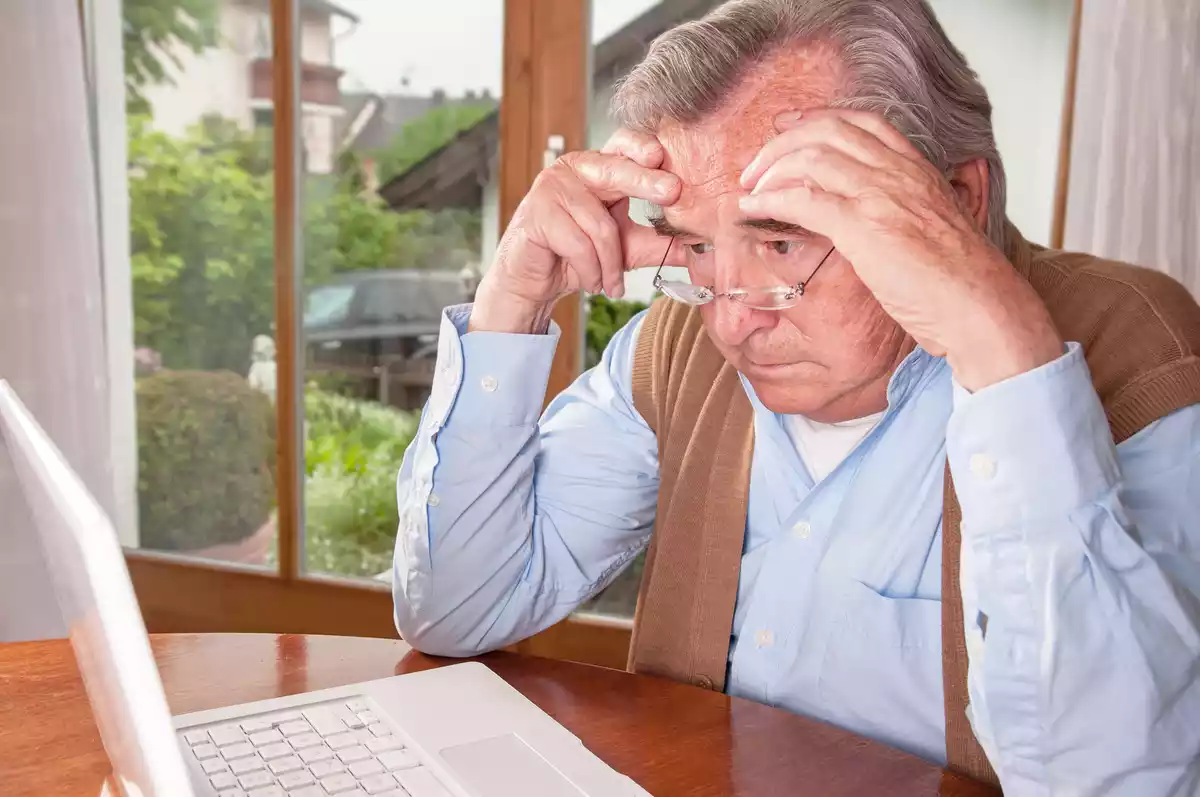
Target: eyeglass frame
x: 795, y: 291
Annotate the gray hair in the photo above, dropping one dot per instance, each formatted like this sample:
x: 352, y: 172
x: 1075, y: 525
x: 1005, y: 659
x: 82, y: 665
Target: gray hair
x: 898, y: 60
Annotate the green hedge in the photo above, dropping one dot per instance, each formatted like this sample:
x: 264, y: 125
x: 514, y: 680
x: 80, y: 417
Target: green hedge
x: 605, y: 317
x: 206, y: 457
x: 353, y: 452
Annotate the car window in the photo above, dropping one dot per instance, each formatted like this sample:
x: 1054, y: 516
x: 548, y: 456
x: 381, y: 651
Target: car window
x: 328, y: 305
x: 415, y: 299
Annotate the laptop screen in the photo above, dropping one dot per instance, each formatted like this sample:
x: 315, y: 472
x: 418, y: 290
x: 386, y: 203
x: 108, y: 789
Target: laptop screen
x: 92, y: 586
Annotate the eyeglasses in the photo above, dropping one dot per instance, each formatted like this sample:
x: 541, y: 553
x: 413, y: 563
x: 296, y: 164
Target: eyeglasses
x: 779, y: 297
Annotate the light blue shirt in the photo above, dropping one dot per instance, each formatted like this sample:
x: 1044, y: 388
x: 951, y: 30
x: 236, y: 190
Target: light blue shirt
x: 1080, y: 559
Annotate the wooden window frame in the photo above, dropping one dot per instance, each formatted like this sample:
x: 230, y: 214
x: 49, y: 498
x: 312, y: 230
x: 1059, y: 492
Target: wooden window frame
x: 546, y: 91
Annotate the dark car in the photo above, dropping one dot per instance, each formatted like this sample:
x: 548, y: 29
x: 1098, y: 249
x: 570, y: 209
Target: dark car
x: 380, y: 328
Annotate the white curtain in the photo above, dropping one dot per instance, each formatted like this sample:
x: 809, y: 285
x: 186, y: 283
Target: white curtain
x: 52, y: 326
x: 1134, y: 192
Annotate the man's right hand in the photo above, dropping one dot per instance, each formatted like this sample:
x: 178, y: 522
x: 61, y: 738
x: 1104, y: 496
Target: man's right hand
x: 573, y: 232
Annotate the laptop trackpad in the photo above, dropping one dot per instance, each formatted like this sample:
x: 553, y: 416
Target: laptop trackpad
x: 504, y: 766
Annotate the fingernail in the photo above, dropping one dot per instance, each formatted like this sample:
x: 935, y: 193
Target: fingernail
x: 749, y: 203
x: 619, y: 292
x: 664, y: 185
x: 788, y: 118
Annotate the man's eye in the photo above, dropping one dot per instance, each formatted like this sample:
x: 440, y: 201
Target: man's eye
x: 700, y: 249
x: 784, y: 247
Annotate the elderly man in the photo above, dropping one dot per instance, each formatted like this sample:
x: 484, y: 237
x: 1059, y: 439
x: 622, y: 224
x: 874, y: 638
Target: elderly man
x: 875, y: 438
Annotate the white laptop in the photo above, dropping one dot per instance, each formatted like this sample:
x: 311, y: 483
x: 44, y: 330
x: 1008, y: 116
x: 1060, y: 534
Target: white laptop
x: 459, y: 730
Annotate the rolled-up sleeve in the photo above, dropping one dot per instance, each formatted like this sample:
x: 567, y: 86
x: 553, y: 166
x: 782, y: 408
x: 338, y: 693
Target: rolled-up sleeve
x: 1081, y: 587
x: 511, y: 517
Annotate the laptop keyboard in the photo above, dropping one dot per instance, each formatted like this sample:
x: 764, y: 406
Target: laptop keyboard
x: 334, y: 748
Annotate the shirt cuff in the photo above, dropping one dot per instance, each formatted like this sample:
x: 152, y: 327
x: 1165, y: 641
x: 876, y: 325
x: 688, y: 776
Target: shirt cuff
x: 489, y: 378
x: 1033, y: 446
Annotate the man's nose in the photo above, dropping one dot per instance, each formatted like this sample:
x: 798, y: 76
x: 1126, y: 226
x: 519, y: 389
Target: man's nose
x: 733, y: 321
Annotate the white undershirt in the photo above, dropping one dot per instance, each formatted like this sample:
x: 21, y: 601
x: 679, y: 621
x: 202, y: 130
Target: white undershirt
x: 823, y: 446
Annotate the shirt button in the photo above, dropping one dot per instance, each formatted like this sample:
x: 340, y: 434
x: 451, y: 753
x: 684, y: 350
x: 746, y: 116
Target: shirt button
x: 764, y: 639
x: 983, y: 466
x: 802, y: 530
x: 489, y: 384
x: 433, y: 500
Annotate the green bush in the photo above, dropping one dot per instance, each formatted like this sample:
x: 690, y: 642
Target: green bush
x: 353, y: 451
x: 206, y: 457
x: 605, y: 317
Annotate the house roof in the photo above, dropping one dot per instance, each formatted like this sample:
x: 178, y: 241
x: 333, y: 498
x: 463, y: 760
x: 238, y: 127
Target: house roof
x: 454, y: 174
x: 327, y: 7
x: 371, y: 121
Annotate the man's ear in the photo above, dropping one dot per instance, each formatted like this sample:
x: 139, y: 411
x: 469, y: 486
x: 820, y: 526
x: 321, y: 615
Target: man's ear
x: 970, y: 183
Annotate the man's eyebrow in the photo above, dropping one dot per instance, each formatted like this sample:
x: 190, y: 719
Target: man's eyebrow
x: 775, y: 226
x: 668, y: 230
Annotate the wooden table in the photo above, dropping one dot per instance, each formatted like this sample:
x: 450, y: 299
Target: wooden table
x: 673, y: 739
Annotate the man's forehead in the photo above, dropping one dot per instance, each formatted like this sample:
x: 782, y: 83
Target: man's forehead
x: 709, y: 156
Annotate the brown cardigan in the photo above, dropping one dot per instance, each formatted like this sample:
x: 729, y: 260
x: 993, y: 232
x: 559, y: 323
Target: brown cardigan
x: 1140, y: 331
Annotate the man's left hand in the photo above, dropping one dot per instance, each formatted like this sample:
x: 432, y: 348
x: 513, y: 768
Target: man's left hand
x: 851, y: 176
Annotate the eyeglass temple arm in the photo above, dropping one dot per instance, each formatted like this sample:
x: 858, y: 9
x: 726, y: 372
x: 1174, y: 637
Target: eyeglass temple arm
x: 658, y: 274
x: 804, y: 284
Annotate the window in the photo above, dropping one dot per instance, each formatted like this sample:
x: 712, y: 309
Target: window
x: 200, y: 184
x: 386, y: 249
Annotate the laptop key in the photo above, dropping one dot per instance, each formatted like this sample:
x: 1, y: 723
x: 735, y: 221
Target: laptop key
x: 294, y: 780
x: 206, y: 750
x: 255, y: 780
x: 379, y: 729
x: 282, y: 765
x: 304, y: 740
x: 244, y: 765
x: 352, y: 754
x: 213, y: 765
x: 366, y: 768
x: 269, y: 791
x: 223, y: 780
x: 225, y: 735
x: 273, y: 751
x: 420, y: 782
x: 231, y: 793
x: 237, y: 751
x: 378, y: 784
x: 324, y: 722
x: 399, y: 759
x: 343, y: 781
x: 266, y: 737
x: 194, y: 738
x: 368, y: 718
x: 341, y: 741
x: 309, y: 791
x: 314, y: 754
x: 257, y: 725
x: 328, y: 767
x: 295, y: 728
x: 382, y: 743
x: 357, y: 705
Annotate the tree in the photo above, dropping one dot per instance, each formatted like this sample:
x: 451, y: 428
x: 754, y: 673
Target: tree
x: 155, y: 32
x: 202, y: 242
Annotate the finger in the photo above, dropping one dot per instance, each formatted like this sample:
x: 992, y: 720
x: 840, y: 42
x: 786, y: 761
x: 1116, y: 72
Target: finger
x: 567, y: 240
x: 598, y: 224
x: 871, y: 122
x: 830, y: 131
x: 808, y: 206
x: 611, y: 178
x: 828, y: 169
x: 641, y: 148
